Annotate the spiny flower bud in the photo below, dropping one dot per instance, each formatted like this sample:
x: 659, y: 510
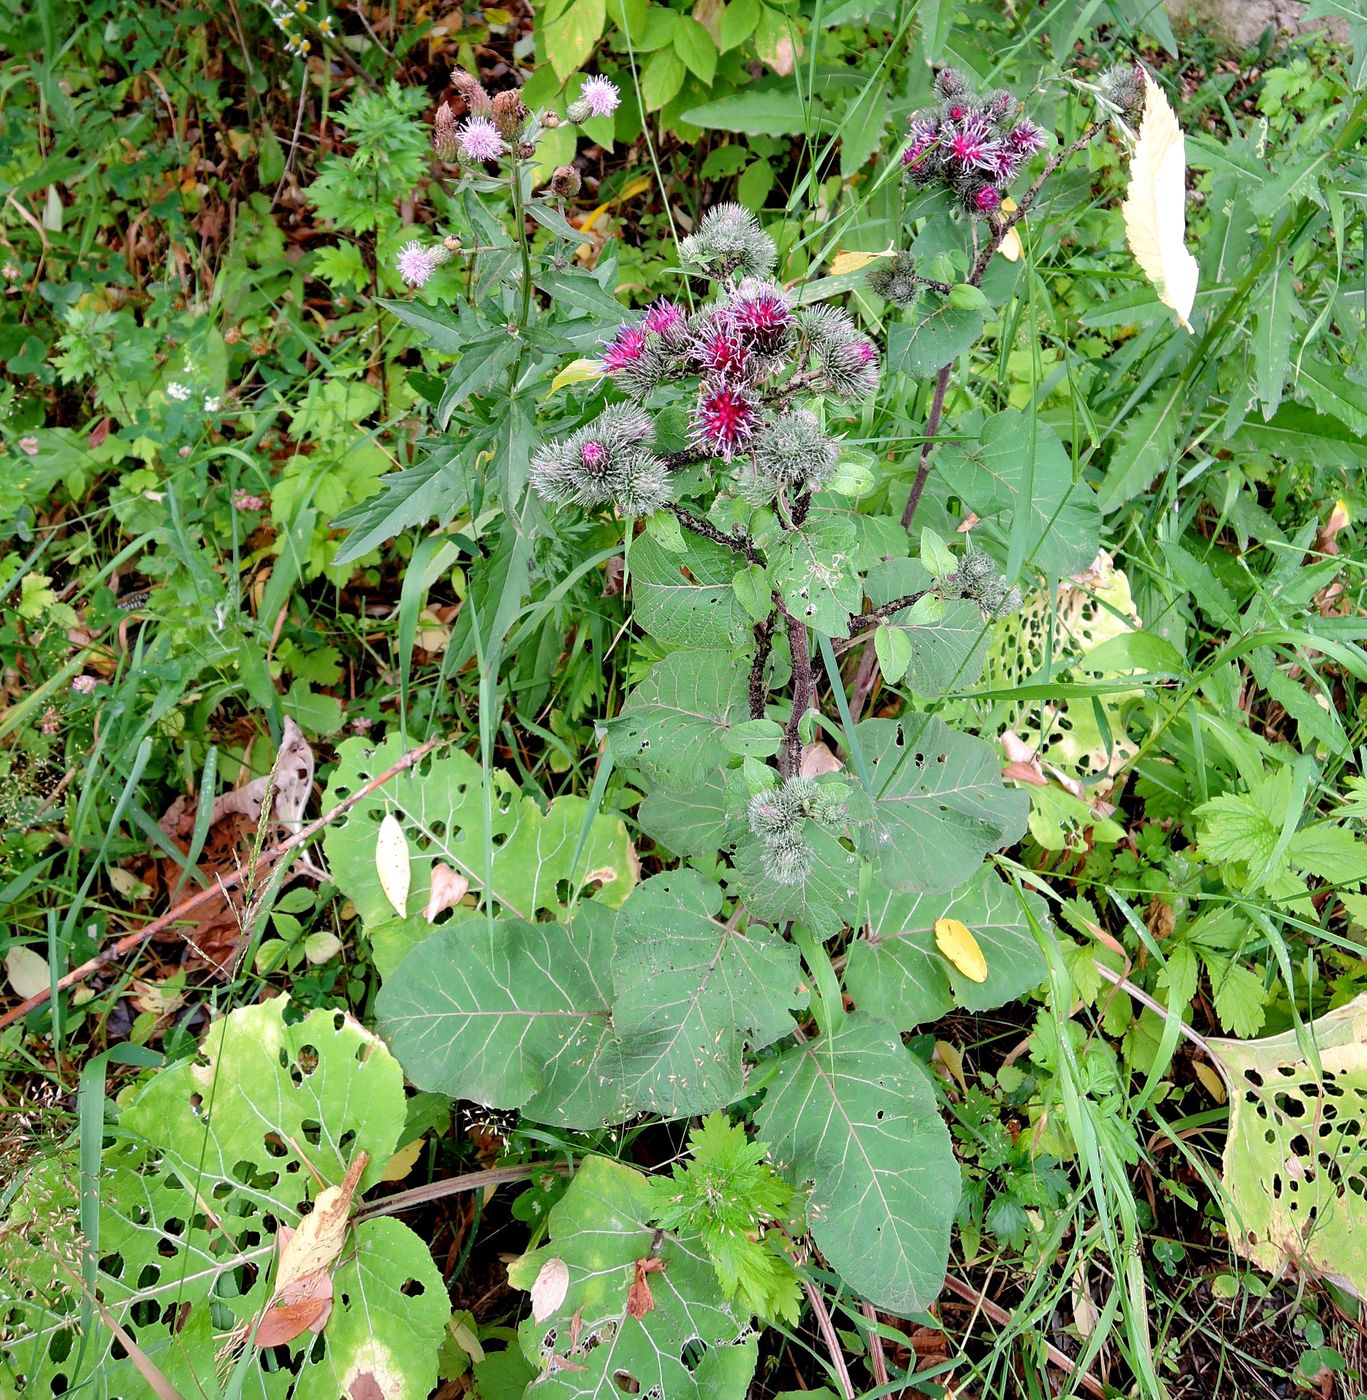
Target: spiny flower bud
x: 789, y: 862
x: 477, y: 101
x: 778, y: 813
x: 950, y: 82
x: 526, y: 149
x: 509, y: 114
x: 565, y: 182
x: 895, y: 281
x: 730, y: 242
x: 444, y: 141
x: 1123, y: 87
x: 604, y: 463
x: 791, y: 449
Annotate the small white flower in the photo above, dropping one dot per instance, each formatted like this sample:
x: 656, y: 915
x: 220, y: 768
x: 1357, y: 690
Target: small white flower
x: 212, y: 403
x: 178, y: 391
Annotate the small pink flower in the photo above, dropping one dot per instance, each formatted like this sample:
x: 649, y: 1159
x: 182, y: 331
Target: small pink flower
x: 479, y: 140
x: 957, y: 113
x: 726, y: 418
x: 28, y: 446
x: 1026, y: 137
x: 1005, y: 164
x: 602, y: 96
x: 243, y: 501
x: 664, y: 317
x: 51, y: 721
x: 923, y: 134
x: 415, y: 263
x: 84, y: 685
x: 625, y: 348
x: 972, y: 145
x: 361, y: 724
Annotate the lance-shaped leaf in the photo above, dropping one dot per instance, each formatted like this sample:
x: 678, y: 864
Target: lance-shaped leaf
x: 854, y: 1114
x: 691, y: 993
x: 686, y: 599
x: 531, y: 865
x: 592, y: 1347
x: 897, y: 972
x: 512, y: 1015
x: 671, y: 723
x: 939, y: 803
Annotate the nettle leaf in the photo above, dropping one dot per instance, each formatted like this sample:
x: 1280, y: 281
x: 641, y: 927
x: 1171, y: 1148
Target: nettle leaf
x: 513, y: 1015
x: 440, y: 804
x: 207, y: 1164
x: 896, y: 971
x: 813, y: 572
x: 945, y: 655
x: 1293, y: 1157
x: 824, y: 899
x: 593, y: 1344
x: 692, y: 992
x: 1017, y: 463
x: 672, y: 722
x: 940, y: 805
x: 686, y: 599
x: 854, y: 1114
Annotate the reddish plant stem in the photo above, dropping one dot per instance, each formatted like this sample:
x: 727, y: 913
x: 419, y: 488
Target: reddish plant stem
x: 790, y: 760
x: 937, y: 408
x: 764, y: 646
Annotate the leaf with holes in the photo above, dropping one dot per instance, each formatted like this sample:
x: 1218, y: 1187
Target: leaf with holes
x: 593, y: 1347
x: 940, y: 805
x: 854, y: 1114
x: 1293, y: 1157
x: 531, y: 868
x: 207, y: 1162
x: 945, y: 655
x: 896, y: 971
x: 813, y: 572
x: 513, y: 1015
x: 691, y: 993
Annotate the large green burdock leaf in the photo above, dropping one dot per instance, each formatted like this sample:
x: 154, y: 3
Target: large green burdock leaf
x: 440, y: 804
x: 698, y: 820
x: 208, y: 1161
x: 1293, y: 1162
x: 1018, y: 464
x: 940, y: 805
x: 512, y: 1015
x: 590, y: 1345
x: 854, y: 1114
x: 686, y: 599
x: 813, y: 571
x: 691, y: 993
x: 945, y: 655
x: 934, y: 338
x: 896, y: 972
x: 672, y: 722
x: 825, y: 898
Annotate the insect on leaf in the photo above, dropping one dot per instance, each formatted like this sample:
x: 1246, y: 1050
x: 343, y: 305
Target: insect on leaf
x: 955, y: 940
x: 1155, y: 208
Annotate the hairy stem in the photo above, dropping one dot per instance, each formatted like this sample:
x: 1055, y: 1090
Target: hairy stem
x: 520, y: 220
x: 872, y: 618
x: 764, y: 646
x: 740, y: 543
x: 790, y: 758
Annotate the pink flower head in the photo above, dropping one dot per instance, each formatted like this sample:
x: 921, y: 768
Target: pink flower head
x: 988, y: 199
x: 664, y: 317
x: 720, y: 350
x: 479, y: 140
x: 84, y: 685
x: 761, y: 316
x: 972, y: 145
x: 28, y: 446
x: 923, y: 133
x: 726, y: 417
x: 243, y: 501
x: 1026, y: 138
x: 957, y: 113
x: 602, y: 96
x: 1005, y: 164
x: 625, y: 348
x: 415, y: 263
x: 593, y: 455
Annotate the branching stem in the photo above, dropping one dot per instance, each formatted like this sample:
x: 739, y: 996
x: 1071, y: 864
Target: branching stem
x: 740, y: 543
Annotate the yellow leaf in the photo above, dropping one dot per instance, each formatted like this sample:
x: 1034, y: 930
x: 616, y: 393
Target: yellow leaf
x: 402, y: 1162
x: 27, y: 971
x: 577, y: 372
x: 391, y: 863
x: 852, y: 262
x: 1155, y: 208
x: 1009, y: 205
x: 1010, y: 247
x: 317, y: 1242
x: 955, y: 940
x: 632, y: 188
x: 1215, y: 1086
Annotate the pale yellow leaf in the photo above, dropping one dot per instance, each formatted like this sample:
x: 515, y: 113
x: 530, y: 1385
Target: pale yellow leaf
x: 403, y: 1161
x: 577, y: 372
x: 391, y: 863
x: 549, y: 1288
x: 322, y: 946
x: 1155, y: 207
x: 1010, y: 246
x: 28, y: 972
x: 852, y: 262
x: 317, y: 1242
x: 448, y: 888
x: 955, y: 940
x: 1215, y: 1086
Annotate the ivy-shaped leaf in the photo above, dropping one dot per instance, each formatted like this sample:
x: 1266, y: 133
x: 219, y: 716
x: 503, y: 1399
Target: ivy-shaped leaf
x: 940, y: 805
x: 440, y: 805
x: 671, y: 722
x: 691, y: 993
x: 596, y: 1345
x: 945, y: 655
x: 686, y: 599
x: 896, y: 971
x: 207, y: 1164
x: 854, y: 1114
x: 513, y: 1015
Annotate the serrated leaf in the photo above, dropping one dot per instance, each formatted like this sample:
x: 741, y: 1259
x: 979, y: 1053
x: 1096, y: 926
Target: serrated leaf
x: 661, y: 79
x: 593, y: 1347
x: 854, y: 1114
x: 1272, y: 337
x: 737, y: 23
x: 1155, y: 207
x: 1146, y: 448
x: 774, y: 108
x: 694, y: 45
x: 512, y: 1015
x: 405, y: 498
x: 941, y: 335
x: 571, y: 37
x: 687, y: 600
x: 940, y: 805
x: 691, y: 993
x: 894, y: 971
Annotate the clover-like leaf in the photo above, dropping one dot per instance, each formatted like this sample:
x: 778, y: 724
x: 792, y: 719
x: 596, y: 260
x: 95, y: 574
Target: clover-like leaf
x: 939, y: 803
x: 854, y: 1114
x: 596, y: 1345
x: 692, y: 992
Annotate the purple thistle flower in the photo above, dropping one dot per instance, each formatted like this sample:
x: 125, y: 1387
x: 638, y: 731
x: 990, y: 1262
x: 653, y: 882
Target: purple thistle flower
x: 760, y: 316
x: 1026, y: 138
x: 416, y: 264
x: 625, y: 348
x: 593, y: 455
x: 720, y: 348
x: 663, y: 317
x: 988, y: 199
x: 972, y: 145
x: 726, y: 417
x: 1006, y: 163
x: 601, y: 94
x: 479, y: 140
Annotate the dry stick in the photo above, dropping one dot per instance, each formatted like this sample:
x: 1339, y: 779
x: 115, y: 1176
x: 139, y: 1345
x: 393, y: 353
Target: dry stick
x: 227, y: 882
x: 471, y: 1181
x: 999, y: 1315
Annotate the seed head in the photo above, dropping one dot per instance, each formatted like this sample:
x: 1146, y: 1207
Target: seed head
x: 477, y: 101
x: 509, y: 114
x: 565, y: 182
x: 444, y: 137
